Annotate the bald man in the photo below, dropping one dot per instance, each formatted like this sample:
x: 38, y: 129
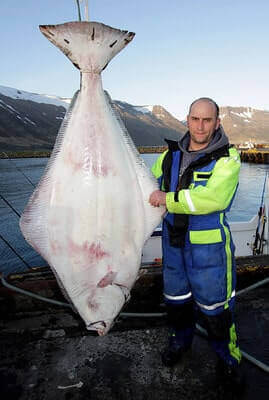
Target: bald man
x: 198, y: 178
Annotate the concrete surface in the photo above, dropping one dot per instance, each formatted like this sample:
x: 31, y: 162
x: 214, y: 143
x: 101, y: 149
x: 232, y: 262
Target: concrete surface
x: 51, y: 356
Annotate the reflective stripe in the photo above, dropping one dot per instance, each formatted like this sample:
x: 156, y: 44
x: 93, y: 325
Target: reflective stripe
x: 214, y: 306
x: 233, y: 347
x: 183, y: 297
x: 189, y: 200
x: 205, y: 236
x: 229, y: 258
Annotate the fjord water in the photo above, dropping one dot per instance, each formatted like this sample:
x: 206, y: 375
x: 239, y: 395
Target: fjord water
x: 19, y: 176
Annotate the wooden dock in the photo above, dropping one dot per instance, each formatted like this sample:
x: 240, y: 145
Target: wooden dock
x: 257, y: 156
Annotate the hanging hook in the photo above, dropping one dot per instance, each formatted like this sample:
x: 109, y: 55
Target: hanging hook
x: 87, y: 10
x: 79, y: 14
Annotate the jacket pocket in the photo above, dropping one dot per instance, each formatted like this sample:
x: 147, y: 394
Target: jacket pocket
x: 201, y: 175
x: 205, y: 236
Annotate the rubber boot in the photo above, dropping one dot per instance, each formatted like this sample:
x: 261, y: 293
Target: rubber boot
x: 231, y: 377
x: 181, y: 322
x: 177, y: 346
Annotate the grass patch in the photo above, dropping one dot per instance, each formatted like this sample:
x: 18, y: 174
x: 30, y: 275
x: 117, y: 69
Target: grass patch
x: 151, y: 149
x: 47, y: 153
x: 25, y: 154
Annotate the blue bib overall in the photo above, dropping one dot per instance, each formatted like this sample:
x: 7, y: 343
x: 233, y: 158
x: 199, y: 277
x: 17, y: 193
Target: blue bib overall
x: 201, y: 273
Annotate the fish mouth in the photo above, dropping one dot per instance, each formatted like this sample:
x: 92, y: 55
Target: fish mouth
x: 101, y: 327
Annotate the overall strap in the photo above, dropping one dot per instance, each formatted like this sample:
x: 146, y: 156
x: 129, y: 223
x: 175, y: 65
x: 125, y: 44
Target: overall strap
x: 170, y: 166
x: 176, y: 157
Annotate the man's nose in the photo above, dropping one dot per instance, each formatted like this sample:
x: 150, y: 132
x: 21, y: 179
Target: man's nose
x: 201, y: 125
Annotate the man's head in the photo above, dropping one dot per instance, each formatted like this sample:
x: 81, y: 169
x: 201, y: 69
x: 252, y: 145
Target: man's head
x: 203, y: 120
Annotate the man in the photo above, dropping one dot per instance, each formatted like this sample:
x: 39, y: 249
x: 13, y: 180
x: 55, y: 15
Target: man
x: 198, y: 178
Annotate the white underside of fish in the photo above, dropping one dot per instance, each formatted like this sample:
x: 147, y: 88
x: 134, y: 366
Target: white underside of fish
x: 89, y: 216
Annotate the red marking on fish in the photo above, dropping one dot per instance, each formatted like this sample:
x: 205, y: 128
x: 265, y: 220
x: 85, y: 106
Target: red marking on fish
x: 93, y: 305
x: 100, y: 170
x: 73, y: 247
x: 107, y: 279
x: 94, y: 251
x: 70, y: 160
x: 91, y: 252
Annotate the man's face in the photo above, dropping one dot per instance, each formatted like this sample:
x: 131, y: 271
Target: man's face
x: 202, y: 123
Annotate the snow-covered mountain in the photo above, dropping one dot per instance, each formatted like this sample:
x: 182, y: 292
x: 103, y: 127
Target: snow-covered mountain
x: 30, y: 121
x: 38, y: 98
x: 244, y: 123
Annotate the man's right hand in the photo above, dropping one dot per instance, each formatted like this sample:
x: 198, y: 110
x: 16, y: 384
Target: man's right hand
x: 157, y: 198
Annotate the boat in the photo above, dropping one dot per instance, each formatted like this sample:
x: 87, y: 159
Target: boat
x: 250, y: 237
x: 36, y: 289
x: 252, y: 250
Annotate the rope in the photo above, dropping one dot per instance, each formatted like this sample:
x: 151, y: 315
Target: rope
x: 79, y: 14
x: 253, y: 360
x: 87, y: 10
x: 133, y: 315
x: 31, y: 294
x: 247, y: 356
x: 254, y: 286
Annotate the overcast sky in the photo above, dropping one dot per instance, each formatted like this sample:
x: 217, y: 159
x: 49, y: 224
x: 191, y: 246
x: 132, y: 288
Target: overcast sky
x: 183, y: 49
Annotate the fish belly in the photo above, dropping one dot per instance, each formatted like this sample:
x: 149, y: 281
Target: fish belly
x: 89, y: 216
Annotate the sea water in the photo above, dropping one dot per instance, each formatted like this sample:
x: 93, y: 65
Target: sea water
x: 18, y: 177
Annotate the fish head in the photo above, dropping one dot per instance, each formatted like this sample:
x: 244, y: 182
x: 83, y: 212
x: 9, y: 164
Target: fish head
x: 89, y: 45
x: 101, y: 307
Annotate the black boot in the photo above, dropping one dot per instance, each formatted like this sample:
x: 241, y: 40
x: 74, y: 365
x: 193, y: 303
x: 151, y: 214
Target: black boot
x: 181, y: 322
x: 172, y: 355
x: 231, y: 377
x: 174, y: 351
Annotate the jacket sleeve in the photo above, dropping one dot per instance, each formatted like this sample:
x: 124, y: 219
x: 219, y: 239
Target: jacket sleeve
x: 216, y: 195
x: 156, y: 168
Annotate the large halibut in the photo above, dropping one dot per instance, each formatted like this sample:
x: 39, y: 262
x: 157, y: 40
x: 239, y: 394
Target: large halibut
x: 89, y: 216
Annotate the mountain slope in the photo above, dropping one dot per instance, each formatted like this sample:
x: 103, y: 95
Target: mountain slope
x: 29, y: 121
x: 245, y: 123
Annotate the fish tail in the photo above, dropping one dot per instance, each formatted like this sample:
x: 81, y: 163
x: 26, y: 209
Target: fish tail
x: 89, y: 45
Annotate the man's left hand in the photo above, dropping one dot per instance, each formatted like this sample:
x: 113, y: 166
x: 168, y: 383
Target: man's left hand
x: 157, y: 198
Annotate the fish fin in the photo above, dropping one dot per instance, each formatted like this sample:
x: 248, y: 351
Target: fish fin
x: 107, y: 279
x: 146, y: 180
x: 89, y: 45
x: 33, y: 220
x: 125, y: 291
x: 60, y: 136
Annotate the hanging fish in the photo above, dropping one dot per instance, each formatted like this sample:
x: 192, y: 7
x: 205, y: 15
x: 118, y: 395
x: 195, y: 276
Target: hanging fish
x: 89, y: 216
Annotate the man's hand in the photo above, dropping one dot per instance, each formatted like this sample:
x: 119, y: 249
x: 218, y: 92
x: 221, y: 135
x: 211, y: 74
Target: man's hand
x: 157, y: 198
